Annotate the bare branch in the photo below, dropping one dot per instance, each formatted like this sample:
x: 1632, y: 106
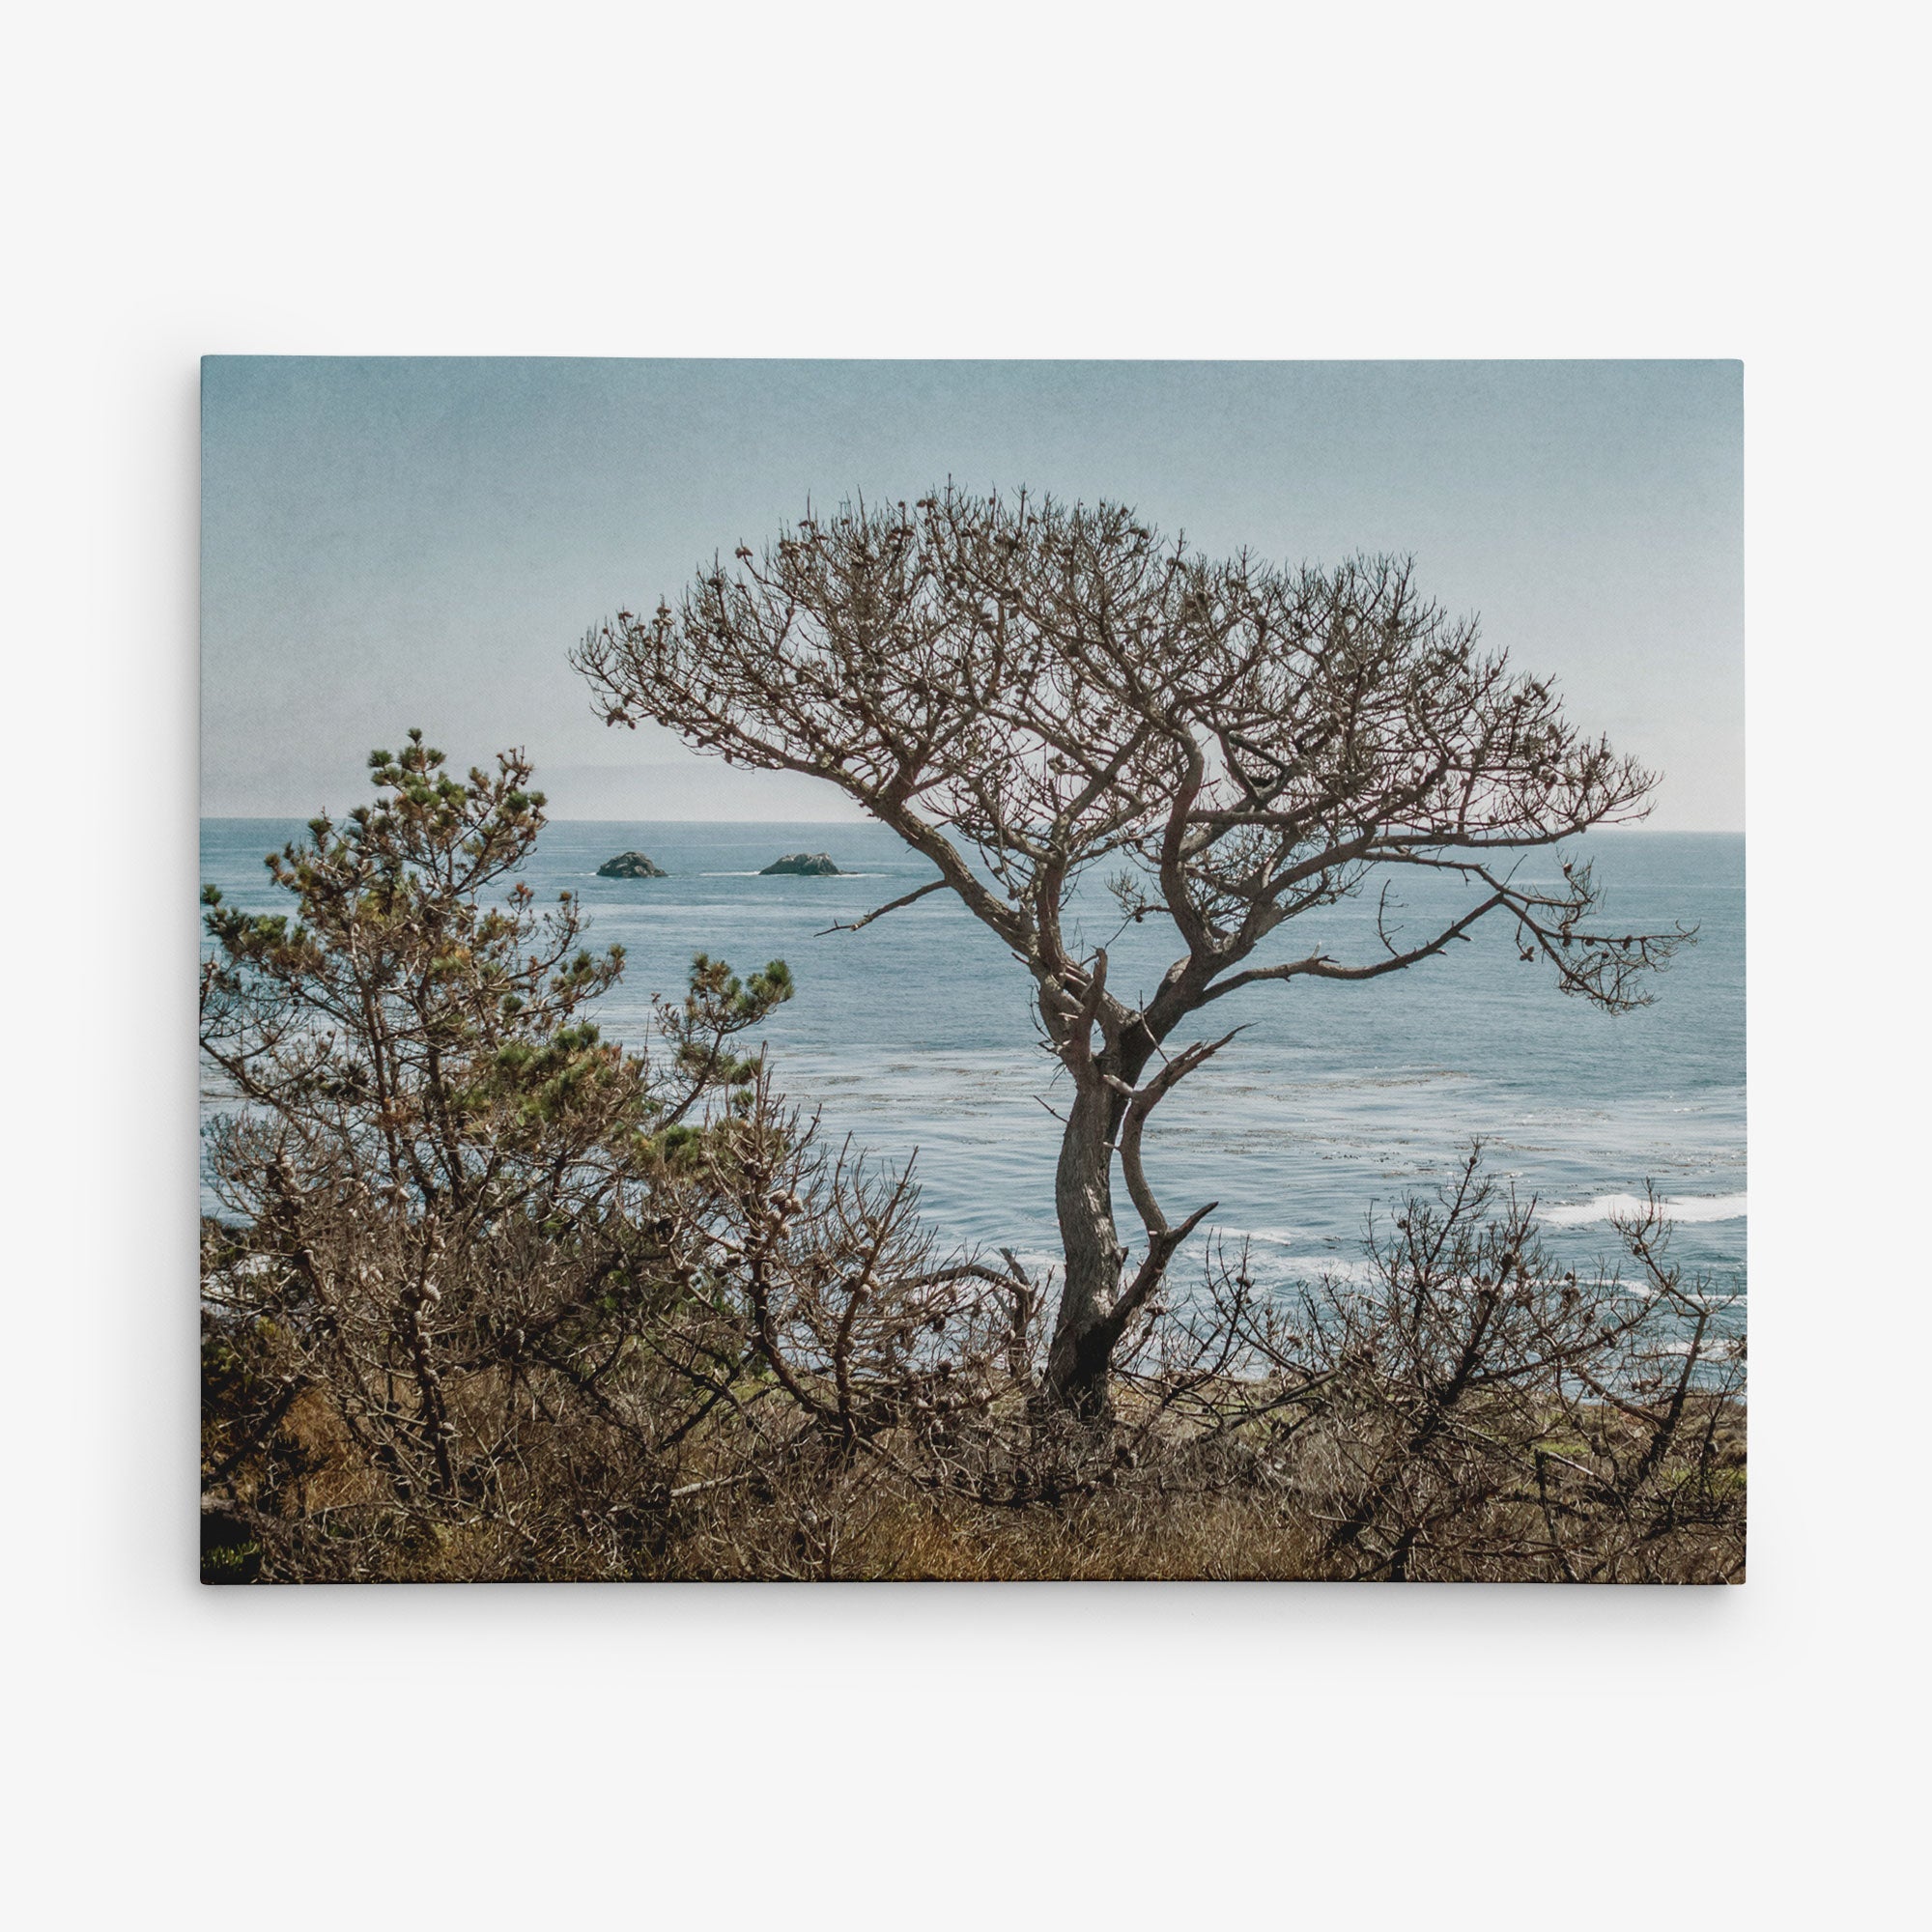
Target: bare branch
x: 879, y: 912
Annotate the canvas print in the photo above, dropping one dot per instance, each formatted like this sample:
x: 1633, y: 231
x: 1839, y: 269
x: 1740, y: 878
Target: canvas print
x: 861, y: 971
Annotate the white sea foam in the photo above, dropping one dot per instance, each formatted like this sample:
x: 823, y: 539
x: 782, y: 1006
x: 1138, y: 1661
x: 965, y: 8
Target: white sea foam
x: 1278, y: 1268
x: 1713, y: 1348
x: 1686, y: 1207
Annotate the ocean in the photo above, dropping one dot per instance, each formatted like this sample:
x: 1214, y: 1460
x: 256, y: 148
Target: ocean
x: 916, y: 1038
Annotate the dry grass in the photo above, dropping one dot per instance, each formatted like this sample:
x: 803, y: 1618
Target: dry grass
x: 1173, y: 1514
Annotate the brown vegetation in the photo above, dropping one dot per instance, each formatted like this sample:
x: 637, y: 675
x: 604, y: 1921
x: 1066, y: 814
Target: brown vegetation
x: 1447, y: 1423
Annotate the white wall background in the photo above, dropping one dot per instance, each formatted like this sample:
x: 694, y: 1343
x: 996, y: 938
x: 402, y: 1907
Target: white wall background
x: 1034, y: 179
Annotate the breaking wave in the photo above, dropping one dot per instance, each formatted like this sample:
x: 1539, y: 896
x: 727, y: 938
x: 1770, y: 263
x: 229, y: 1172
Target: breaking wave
x: 1686, y: 1207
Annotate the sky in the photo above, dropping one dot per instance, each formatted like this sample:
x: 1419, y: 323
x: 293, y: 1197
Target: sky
x: 398, y: 541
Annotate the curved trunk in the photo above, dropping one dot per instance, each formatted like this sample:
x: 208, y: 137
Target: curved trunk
x: 1084, y: 1332
x: 1089, y: 1324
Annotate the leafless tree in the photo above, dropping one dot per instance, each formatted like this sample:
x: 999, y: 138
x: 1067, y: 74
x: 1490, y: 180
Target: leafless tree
x: 1025, y: 690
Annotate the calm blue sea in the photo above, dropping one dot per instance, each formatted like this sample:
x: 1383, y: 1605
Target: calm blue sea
x: 915, y: 1038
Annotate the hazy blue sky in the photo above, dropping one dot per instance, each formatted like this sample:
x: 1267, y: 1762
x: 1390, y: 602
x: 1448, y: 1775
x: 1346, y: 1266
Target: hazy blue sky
x: 392, y: 541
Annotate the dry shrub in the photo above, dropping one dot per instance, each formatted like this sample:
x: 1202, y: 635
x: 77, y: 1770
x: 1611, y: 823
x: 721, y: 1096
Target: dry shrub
x: 835, y: 1405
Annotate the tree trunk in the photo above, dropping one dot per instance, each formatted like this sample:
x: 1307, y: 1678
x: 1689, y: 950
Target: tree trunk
x: 1084, y: 1332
